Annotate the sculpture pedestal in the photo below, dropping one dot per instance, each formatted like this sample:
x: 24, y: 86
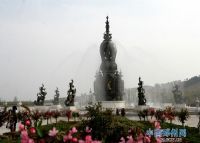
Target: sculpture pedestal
x: 40, y: 108
x: 55, y: 107
x: 71, y: 108
x: 141, y: 107
x: 46, y: 108
x: 113, y: 104
x: 178, y: 107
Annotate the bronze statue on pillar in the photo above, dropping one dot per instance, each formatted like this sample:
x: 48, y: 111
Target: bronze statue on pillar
x: 41, y: 96
x: 71, y: 94
x: 56, y: 97
x: 141, y: 91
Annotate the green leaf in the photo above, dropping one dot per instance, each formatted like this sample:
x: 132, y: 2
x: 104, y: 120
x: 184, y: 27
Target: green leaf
x: 39, y: 132
x: 40, y: 123
x: 19, y: 139
x: 35, y: 124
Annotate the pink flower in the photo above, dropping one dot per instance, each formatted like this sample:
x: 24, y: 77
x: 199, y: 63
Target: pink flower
x: 74, y: 140
x: 88, y: 138
x: 96, y: 141
x: 25, y: 138
x: 88, y: 130
x: 28, y: 122
x: 152, y: 121
x: 23, y: 141
x: 122, y: 140
x: 130, y: 139
x: 21, y: 126
x: 158, y: 140
x: 67, y: 137
x: 70, y: 132
x: 157, y: 124
x: 140, y: 138
x: 147, y: 139
x: 32, y: 130
x: 74, y: 130
x: 53, y: 132
x: 31, y: 141
x: 24, y: 135
x: 81, y: 141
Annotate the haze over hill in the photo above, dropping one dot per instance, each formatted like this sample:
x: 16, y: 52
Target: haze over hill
x: 162, y: 93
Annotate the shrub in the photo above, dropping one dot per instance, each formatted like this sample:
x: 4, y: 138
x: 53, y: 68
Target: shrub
x: 183, y: 115
x: 160, y: 115
x: 55, y: 114
x: 170, y: 114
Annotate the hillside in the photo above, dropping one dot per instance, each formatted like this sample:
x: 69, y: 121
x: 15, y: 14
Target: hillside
x: 162, y: 93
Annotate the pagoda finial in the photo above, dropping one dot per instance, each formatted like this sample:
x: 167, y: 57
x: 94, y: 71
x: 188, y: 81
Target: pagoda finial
x: 107, y: 35
x: 107, y: 25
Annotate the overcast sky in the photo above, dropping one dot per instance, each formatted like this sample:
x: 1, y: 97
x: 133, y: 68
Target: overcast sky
x: 53, y: 41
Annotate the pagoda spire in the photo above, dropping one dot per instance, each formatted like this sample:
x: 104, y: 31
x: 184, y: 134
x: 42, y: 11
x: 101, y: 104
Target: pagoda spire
x: 107, y: 35
x: 107, y: 25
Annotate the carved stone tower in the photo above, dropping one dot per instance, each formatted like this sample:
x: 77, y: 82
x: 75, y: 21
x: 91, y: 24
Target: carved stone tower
x: 108, y: 85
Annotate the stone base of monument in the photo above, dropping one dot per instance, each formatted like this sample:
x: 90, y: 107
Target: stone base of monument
x: 113, y: 104
x: 178, y: 107
x: 71, y: 108
x: 55, y: 107
x: 141, y: 107
x: 40, y: 108
x: 47, y: 108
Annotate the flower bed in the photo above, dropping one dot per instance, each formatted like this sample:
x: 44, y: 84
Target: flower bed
x: 125, y: 131
x: 98, y: 126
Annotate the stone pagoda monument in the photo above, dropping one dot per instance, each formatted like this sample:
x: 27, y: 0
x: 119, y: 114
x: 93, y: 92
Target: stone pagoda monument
x: 108, y: 85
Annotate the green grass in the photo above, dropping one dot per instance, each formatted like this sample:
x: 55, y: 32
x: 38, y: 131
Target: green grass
x: 61, y: 126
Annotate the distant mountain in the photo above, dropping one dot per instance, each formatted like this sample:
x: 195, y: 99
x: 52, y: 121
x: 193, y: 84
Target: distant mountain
x: 191, y: 89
